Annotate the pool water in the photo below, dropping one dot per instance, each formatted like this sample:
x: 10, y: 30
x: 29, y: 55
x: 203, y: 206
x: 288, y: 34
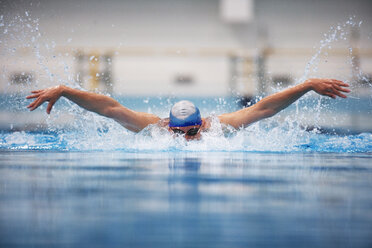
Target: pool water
x: 51, y: 198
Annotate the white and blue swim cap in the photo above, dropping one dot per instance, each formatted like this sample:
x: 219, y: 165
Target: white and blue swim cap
x: 184, y: 113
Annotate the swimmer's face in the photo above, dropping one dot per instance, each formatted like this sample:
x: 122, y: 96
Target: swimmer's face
x: 189, y: 132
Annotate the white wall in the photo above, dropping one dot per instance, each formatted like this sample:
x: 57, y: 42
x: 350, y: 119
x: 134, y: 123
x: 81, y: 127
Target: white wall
x: 209, y: 75
x: 185, y: 25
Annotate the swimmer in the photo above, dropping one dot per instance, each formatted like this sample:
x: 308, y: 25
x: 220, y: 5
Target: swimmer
x: 184, y: 118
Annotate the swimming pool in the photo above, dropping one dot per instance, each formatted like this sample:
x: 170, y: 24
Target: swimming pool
x: 75, y: 179
x: 91, y: 183
x: 183, y: 199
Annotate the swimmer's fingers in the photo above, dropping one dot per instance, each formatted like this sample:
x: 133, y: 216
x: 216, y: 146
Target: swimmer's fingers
x: 335, y: 81
x: 333, y: 91
x: 338, y: 93
x: 33, y: 96
x: 340, y: 83
x: 36, y: 104
x: 339, y: 88
x: 50, y: 106
x: 330, y: 95
x: 336, y: 90
x: 31, y: 107
x: 36, y: 91
x: 31, y: 104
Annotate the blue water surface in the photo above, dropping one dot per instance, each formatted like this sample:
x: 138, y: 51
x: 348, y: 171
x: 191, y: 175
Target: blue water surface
x: 51, y: 198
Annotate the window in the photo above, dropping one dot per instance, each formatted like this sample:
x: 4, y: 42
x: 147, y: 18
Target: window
x: 22, y: 78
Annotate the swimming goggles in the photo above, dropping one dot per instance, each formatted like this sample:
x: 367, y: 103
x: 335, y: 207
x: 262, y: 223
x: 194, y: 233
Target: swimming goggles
x: 191, y: 132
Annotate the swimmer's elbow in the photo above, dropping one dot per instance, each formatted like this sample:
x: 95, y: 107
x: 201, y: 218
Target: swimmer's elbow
x: 267, y: 113
x: 111, y: 112
x: 262, y: 111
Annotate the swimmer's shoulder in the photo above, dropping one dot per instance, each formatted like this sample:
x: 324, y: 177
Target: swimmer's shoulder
x: 206, y: 124
x: 163, y: 122
x: 213, y: 122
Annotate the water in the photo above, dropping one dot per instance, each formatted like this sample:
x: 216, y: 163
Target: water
x: 184, y: 199
x: 265, y: 186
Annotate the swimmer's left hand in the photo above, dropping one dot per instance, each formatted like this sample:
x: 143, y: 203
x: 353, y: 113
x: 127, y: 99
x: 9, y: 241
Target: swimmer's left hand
x: 328, y: 87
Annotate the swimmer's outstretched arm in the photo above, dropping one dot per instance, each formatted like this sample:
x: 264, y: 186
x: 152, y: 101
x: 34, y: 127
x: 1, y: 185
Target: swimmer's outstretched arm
x: 100, y: 104
x: 273, y: 104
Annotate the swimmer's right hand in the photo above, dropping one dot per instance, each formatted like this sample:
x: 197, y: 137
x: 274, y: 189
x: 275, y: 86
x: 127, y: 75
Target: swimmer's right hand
x: 50, y: 95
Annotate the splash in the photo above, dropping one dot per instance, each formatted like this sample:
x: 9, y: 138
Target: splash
x: 323, y: 111
x: 90, y: 132
x: 156, y: 139
x: 23, y: 43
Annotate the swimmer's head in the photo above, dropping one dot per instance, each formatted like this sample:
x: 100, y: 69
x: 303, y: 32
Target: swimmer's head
x: 185, y: 119
x: 184, y: 113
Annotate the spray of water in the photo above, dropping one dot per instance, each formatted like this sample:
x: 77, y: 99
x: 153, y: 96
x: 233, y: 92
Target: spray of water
x: 88, y: 131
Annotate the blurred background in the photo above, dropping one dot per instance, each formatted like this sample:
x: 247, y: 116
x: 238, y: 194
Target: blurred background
x: 142, y: 50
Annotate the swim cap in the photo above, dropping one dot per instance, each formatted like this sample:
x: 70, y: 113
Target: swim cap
x: 184, y: 113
